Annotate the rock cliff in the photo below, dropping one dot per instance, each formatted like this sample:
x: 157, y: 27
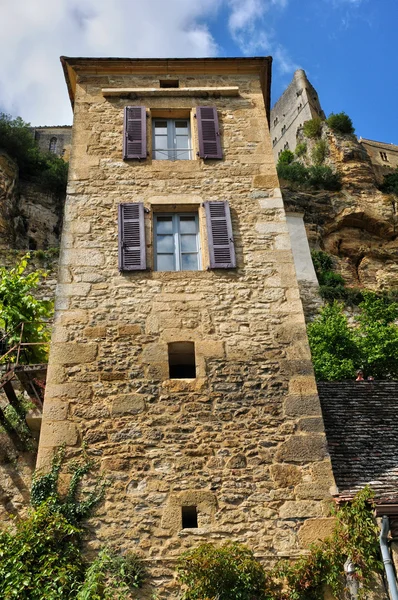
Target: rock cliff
x: 357, y: 225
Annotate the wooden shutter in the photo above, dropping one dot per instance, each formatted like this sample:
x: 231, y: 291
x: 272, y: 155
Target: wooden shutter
x: 208, y: 132
x: 134, y: 140
x: 132, y: 255
x: 220, y: 237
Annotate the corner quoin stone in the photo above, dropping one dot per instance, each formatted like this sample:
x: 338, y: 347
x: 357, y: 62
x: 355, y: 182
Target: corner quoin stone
x: 73, y: 353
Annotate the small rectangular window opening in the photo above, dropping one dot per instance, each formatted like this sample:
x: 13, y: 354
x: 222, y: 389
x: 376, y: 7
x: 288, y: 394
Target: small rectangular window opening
x: 182, y: 360
x: 169, y: 83
x: 189, y: 517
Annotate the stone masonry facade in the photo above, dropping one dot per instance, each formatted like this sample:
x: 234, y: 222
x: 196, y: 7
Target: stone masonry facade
x: 243, y: 442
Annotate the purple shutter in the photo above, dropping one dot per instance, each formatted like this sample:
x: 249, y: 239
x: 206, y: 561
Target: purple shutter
x: 134, y: 140
x: 208, y: 132
x: 131, y: 237
x: 220, y: 237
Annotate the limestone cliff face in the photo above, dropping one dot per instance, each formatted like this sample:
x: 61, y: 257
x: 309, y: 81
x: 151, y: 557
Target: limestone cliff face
x: 357, y: 225
x: 8, y: 198
x: 29, y: 217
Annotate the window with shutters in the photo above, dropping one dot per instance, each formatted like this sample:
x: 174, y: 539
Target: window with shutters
x: 134, y: 140
x: 176, y: 242
x: 171, y: 139
x: 220, y: 236
x: 132, y: 256
x: 208, y: 132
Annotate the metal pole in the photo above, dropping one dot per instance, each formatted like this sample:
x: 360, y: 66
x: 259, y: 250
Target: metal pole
x: 388, y: 564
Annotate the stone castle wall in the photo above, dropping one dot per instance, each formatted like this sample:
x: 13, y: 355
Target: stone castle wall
x: 244, y: 441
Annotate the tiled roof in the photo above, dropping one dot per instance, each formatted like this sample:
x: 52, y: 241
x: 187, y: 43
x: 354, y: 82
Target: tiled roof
x: 361, y: 422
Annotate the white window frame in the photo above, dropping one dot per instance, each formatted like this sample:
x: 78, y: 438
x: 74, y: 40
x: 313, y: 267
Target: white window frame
x: 172, y: 149
x: 177, y: 240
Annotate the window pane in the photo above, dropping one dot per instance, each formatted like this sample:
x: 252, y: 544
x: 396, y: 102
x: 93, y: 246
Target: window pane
x: 188, y: 243
x: 164, y: 224
x: 181, y: 127
x: 165, y: 262
x: 161, y: 127
x: 165, y: 243
x: 189, y: 262
x: 187, y: 225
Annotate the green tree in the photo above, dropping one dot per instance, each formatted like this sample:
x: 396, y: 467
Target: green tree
x: 340, y: 123
x: 377, y: 336
x: 333, y: 345
x: 285, y: 157
x: 18, y: 305
x: 48, y: 170
x: 390, y: 183
x: 313, y: 128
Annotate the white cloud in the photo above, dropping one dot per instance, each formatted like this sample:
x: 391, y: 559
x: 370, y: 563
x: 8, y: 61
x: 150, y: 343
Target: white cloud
x: 248, y: 27
x: 34, y: 33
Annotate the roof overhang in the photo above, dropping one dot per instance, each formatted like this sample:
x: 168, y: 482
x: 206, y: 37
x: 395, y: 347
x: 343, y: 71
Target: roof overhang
x: 168, y: 66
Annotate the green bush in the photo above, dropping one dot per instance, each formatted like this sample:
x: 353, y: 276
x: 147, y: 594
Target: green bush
x: 301, y: 149
x: 340, y: 123
x: 44, y: 168
x: 285, y: 157
x: 372, y: 345
x: 295, y: 172
x: 313, y: 128
x: 17, y: 305
x: 229, y: 572
x: 390, y: 183
x: 319, y: 152
x: 322, y: 261
x: 321, y: 177
x: 318, y: 177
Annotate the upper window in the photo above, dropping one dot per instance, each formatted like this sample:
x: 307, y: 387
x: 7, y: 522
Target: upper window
x: 53, y: 145
x: 176, y: 242
x: 384, y: 156
x: 171, y: 139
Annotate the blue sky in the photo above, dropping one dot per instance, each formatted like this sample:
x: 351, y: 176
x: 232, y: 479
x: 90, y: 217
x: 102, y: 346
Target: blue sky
x: 347, y: 48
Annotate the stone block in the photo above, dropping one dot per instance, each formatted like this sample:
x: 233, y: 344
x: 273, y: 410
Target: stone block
x: 73, y: 353
x: 266, y: 181
x: 285, y: 476
x: 313, y: 491
x: 56, y: 433
x: 299, y: 406
x: 303, y: 386
x: 210, y: 349
x: 95, y: 332
x: 302, y: 509
x: 313, y: 531
x: 128, y: 330
x: 113, y: 376
x: 55, y: 410
x: 83, y: 258
x: 302, y: 449
x: 80, y: 391
x: 311, y: 424
x: 129, y: 404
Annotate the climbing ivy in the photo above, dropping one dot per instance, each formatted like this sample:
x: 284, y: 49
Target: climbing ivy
x: 41, y: 556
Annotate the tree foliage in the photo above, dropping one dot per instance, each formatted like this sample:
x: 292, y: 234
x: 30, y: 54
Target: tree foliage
x: 229, y: 572
x: 285, y: 157
x: 390, y: 183
x: 18, y: 305
x: 316, y: 177
x: 41, y: 557
x: 48, y: 170
x: 338, y: 349
x: 340, y: 123
x: 313, y: 128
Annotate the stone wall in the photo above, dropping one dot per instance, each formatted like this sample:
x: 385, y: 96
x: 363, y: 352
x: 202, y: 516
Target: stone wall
x: 244, y: 440
x: 58, y: 139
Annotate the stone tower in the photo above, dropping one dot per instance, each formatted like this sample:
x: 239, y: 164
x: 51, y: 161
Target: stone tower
x: 298, y: 103
x: 179, y: 352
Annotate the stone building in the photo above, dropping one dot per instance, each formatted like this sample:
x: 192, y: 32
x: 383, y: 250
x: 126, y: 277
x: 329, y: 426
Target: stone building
x: 55, y: 139
x: 179, y: 352
x: 298, y: 103
x: 383, y: 156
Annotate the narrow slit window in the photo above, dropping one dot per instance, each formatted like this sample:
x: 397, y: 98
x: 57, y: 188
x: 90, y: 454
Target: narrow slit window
x: 169, y: 83
x: 182, y: 360
x: 189, y: 516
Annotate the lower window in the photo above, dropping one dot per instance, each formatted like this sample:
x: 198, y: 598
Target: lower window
x: 176, y: 241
